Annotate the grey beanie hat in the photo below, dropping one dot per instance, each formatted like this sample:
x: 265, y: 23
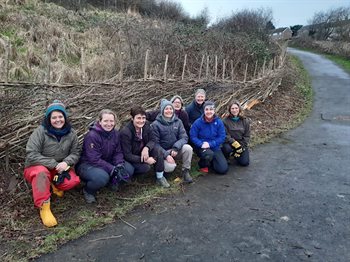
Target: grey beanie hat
x: 209, y: 103
x: 164, y: 103
x: 200, y: 91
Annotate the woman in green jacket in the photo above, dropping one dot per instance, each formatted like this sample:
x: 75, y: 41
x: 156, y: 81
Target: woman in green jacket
x: 52, y: 151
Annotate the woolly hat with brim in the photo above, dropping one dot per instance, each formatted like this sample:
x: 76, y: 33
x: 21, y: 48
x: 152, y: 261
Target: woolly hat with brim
x: 177, y: 97
x: 209, y: 104
x: 163, y: 104
x: 56, y: 105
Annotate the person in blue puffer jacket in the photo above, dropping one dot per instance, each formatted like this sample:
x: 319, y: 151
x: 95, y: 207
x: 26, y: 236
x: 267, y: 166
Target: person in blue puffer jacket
x: 207, y: 135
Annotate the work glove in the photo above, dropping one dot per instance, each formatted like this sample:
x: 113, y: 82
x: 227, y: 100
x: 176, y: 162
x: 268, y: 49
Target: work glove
x: 238, y: 150
x: 59, y: 177
x: 120, y: 174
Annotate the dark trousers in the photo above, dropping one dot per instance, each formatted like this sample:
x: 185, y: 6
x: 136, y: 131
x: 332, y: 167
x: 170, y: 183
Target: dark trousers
x: 243, y: 160
x: 142, y: 168
x: 95, y: 177
x: 214, y: 159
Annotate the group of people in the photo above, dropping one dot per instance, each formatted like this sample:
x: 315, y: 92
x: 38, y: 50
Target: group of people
x: 159, y: 138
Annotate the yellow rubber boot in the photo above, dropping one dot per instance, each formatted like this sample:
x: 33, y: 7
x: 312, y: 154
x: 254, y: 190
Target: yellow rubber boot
x: 56, y: 191
x: 46, y: 216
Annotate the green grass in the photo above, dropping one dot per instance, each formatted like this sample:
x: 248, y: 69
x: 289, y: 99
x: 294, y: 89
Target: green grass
x: 343, y: 62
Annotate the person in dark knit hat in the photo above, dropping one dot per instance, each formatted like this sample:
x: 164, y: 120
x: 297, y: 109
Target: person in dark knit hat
x: 51, y: 152
x: 170, y: 134
x: 207, y: 135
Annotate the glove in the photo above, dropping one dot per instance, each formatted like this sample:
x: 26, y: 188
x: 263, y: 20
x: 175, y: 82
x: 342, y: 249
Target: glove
x: 59, y: 178
x: 238, y: 149
x: 120, y: 174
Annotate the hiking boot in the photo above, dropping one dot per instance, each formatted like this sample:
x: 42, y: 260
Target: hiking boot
x: 204, y: 170
x: 163, y: 182
x: 186, y: 176
x: 89, y: 198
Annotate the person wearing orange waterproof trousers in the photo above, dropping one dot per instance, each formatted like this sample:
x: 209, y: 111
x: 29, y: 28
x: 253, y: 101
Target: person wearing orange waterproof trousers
x: 51, y: 152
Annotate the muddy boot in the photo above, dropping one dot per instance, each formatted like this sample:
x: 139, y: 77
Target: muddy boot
x: 46, y: 216
x: 56, y: 191
x: 163, y: 182
x: 89, y: 198
x: 186, y: 176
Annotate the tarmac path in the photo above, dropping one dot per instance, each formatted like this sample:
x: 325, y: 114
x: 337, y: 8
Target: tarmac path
x: 291, y: 204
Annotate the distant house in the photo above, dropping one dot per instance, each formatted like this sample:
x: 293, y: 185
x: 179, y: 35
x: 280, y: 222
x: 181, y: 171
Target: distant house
x: 282, y: 33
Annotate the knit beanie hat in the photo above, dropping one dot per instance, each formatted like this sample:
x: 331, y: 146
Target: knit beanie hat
x: 209, y: 104
x: 164, y: 103
x: 176, y: 97
x: 56, y: 105
x: 200, y: 91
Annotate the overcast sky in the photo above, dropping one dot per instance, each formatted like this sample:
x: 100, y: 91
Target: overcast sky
x: 285, y: 12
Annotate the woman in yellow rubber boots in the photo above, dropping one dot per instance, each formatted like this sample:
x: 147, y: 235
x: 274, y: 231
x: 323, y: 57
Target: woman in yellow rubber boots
x: 52, y: 150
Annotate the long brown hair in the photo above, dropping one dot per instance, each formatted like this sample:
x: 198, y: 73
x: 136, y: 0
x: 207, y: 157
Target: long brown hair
x: 235, y: 102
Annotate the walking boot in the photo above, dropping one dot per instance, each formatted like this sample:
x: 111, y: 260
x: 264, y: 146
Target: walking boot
x: 186, y: 176
x: 46, y: 216
x: 163, y: 182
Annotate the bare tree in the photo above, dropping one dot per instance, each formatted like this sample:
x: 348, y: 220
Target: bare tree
x: 333, y: 23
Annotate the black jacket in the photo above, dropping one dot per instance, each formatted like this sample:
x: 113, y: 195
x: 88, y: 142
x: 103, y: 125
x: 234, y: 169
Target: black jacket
x: 131, y: 144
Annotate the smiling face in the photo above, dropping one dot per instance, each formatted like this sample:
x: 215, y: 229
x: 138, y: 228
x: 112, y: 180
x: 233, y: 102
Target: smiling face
x: 168, y: 111
x: 177, y: 104
x: 200, y: 98
x: 107, y: 122
x: 234, y: 110
x: 139, y: 121
x: 57, y: 119
x: 209, y: 111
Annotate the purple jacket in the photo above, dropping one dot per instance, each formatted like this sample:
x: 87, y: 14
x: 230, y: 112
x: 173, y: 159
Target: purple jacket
x: 102, y: 149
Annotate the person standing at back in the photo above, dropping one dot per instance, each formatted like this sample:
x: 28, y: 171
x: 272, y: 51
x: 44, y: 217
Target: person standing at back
x: 196, y: 109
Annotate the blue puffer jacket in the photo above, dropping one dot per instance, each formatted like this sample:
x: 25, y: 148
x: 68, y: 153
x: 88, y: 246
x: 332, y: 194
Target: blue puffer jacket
x: 213, y: 133
x: 169, y: 135
x: 194, y: 111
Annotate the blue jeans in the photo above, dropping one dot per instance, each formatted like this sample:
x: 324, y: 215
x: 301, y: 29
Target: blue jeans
x: 243, y: 160
x: 213, y: 159
x: 96, y: 177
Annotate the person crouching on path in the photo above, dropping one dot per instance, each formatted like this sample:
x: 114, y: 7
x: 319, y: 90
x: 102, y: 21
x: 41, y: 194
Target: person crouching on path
x: 51, y: 152
x: 207, y: 134
x: 102, y: 161
x: 170, y: 135
x: 195, y: 110
x: 237, y: 134
x: 138, y: 144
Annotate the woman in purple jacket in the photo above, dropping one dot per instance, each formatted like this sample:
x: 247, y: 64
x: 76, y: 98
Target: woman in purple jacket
x: 102, y: 161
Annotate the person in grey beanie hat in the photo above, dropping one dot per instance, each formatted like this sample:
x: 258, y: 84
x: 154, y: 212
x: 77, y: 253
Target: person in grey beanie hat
x: 170, y: 134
